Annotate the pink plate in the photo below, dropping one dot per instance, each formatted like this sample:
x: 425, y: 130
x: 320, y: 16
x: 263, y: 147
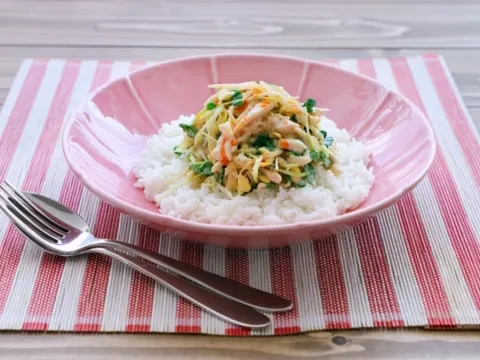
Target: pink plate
x: 105, y: 135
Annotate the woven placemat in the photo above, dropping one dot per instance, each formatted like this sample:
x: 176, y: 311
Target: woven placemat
x: 415, y: 264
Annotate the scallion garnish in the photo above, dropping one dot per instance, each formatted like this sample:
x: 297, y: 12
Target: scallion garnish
x: 202, y: 168
x: 190, y: 130
x: 237, y: 99
x: 310, y: 104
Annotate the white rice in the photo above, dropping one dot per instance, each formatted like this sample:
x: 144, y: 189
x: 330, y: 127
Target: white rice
x: 159, y: 167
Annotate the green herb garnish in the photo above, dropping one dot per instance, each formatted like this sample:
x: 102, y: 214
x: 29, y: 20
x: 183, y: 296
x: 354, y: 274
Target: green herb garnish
x: 315, y: 155
x: 310, y: 171
x: 211, y: 106
x: 237, y: 99
x: 294, y: 153
x: 310, y: 104
x: 203, y: 168
x: 328, y: 141
x: 265, y: 141
x: 176, y: 151
x: 190, y: 130
x: 325, y: 159
x: 219, y: 175
x: 300, y: 184
x: 271, y: 186
x: 286, y: 178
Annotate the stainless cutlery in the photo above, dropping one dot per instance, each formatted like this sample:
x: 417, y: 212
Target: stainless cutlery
x: 60, y: 231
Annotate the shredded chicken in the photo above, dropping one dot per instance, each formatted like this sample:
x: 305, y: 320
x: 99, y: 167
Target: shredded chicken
x: 255, y: 134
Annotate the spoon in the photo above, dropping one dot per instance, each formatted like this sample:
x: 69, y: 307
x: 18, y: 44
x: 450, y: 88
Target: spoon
x: 43, y: 229
x: 234, y: 290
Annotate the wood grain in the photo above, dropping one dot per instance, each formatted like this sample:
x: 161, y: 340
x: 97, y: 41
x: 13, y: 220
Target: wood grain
x: 314, y: 29
x: 346, y: 345
x: 284, y: 24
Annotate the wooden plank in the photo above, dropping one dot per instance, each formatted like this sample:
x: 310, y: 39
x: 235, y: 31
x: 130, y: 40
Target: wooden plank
x: 301, y: 1
x: 237, y: 24
x: 322, y: 345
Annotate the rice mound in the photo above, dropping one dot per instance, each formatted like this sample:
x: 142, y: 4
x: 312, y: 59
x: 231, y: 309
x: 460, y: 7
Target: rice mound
x: 333, y: 195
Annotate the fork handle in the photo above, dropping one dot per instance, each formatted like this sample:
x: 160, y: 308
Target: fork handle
x: 229, y: 288
x: 220, y: 306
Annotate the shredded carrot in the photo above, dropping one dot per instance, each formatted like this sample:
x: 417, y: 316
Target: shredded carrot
x: 223, y: 153
x: 283, y: 144
x: 264, y: 103
x: 242, y: 108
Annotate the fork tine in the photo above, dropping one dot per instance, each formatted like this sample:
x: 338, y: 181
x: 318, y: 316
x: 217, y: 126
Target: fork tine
x: 25, y: 229
x: 27, y: 220
x: 30, y: 208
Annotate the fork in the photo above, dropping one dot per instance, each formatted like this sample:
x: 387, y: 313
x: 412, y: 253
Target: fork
x: 62, y: 219
x: 71, y: 242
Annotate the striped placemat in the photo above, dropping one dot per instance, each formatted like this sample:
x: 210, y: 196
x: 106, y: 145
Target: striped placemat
x: 416, y: 264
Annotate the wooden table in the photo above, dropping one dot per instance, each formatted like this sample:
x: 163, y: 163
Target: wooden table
x: 159, y: 30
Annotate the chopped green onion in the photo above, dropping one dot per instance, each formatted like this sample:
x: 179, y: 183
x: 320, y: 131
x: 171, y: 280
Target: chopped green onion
x: 202, y: 168
x: 310, y: 171
x: 325, y: 159
x: 294, y: 153
x: 286, y: 178
x: 300, y: 184
x: 328, y: 141
x: 237, y: 99
x: 265, y: 141
x: 177, y: 152
x: 310, y: 104
x: 271, y: 186
x: 314, y: 155
x: 219, y: 175
x: 190, y: 130
x: 211, y: 106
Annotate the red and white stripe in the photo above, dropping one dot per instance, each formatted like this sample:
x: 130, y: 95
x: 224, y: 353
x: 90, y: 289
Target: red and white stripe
x: 355, y: 285
x: 406, y: 287
x: 415, y: 234
x: 120, y: 277
x: 414, y: 264
x: 74, y: 195
x: 189, y: 317
x: 164, y: 312
x: 446, y: 219
x: 307, y: 288
x: 386, y: 310
x: 22, y: 151
x: 14, y: 93
x: 260, y: 278
x: 48, y: 179
x: 213, y: 261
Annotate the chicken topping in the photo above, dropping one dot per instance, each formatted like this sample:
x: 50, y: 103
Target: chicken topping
x: 255, y: 134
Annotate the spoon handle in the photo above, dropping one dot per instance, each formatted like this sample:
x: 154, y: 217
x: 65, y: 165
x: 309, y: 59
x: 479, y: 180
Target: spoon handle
x: 220, y: 306
x: 234, y: 290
